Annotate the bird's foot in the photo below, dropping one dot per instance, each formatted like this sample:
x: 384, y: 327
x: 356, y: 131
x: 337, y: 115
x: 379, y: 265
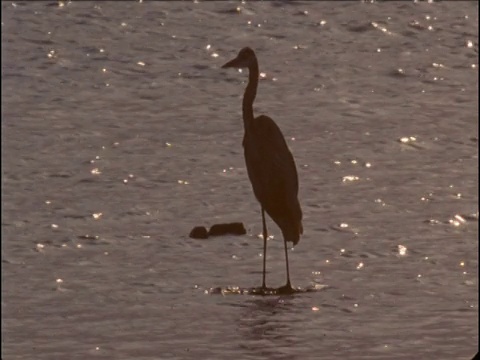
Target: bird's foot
x: 263, y: 291
x: 284, y: 290
x: 287, y: 289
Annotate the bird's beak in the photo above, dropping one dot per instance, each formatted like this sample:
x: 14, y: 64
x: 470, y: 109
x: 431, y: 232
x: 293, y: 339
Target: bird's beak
x: 232, y: 64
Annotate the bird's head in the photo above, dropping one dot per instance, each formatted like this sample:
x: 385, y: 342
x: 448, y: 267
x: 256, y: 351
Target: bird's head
x: 244, y: 59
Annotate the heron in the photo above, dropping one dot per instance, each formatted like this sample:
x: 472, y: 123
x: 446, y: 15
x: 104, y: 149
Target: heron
x: 270, y: 166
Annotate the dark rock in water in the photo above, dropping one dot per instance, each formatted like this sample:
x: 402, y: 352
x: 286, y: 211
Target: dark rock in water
x: 199, y: 232
x: 223, y: 229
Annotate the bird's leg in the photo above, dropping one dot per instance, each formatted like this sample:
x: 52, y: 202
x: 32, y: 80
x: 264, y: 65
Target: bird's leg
x: 288, y: 286
x: 265, y: 235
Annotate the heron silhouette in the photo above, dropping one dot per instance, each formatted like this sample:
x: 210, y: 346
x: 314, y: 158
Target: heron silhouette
x: 270, y: 166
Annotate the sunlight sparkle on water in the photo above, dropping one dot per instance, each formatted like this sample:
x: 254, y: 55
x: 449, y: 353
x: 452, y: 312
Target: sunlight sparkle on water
x: 360, y: 266
x: 350, y: 178
x: 402, y: 250
x: 457, y: 220
x: 407, y: 139
x: 382, y: 28
x: 269, y: 237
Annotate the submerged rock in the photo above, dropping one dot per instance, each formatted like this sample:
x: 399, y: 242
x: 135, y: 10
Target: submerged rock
x: 236, y: 228
x: 199, y: 232
x: 284, y: 290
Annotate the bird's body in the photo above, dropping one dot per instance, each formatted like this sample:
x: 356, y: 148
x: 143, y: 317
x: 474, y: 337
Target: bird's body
x: 270, y: 164
x: 273, y: 175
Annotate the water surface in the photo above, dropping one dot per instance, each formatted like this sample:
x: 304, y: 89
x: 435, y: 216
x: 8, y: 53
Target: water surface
x: 120, y: 133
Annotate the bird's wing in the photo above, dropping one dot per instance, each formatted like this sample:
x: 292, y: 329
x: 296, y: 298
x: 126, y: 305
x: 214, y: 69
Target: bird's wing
x: 274, y: 164
x: 272, y: 172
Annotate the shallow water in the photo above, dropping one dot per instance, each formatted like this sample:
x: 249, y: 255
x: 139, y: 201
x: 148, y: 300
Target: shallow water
x: 120, y: 133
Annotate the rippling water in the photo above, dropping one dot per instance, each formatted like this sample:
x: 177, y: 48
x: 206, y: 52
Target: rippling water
x: 120, y: 133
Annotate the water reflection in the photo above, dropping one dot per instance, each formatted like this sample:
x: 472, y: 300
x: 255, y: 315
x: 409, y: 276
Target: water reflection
x: 266, y: 328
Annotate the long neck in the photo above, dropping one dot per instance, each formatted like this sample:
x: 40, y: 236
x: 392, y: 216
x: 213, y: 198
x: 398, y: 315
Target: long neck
x: 250, y: 93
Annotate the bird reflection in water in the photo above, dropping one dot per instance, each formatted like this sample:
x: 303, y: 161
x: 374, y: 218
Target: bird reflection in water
x: 267, y: 330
